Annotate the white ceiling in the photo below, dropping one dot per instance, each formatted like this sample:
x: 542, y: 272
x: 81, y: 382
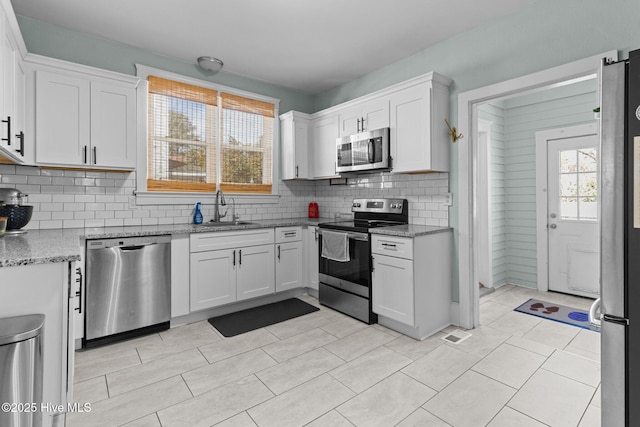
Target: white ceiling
x: 305, y: 45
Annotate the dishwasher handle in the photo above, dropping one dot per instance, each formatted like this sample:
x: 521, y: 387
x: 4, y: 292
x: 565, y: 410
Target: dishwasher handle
x: 135, y: 247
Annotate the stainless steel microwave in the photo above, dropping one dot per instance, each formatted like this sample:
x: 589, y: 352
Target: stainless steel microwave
x: 366, y: 151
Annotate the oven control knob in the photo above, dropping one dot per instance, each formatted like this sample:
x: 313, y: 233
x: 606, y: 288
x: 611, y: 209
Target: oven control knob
x: 356, y: 205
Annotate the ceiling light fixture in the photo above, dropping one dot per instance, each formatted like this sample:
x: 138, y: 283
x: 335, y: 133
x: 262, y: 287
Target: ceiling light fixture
x: 210, y: 64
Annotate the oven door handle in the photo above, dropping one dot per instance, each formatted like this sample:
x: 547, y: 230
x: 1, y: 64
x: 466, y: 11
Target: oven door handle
x: 364, y: 237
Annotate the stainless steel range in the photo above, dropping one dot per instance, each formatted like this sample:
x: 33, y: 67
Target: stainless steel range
x: 345, y: 255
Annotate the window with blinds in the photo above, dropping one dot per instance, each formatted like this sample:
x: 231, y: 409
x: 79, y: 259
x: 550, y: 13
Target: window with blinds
x: 201, y: 140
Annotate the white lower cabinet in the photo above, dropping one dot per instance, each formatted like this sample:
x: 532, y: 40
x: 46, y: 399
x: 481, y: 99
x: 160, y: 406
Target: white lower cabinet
x: 230, y: 266
x: 412, y: 282
x: 288, y: 258
x: 213, y: 279
x: 254, y: 272
x: 393, y: 288
x: 311, y: 258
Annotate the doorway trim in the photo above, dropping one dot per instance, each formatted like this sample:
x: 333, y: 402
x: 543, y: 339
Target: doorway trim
x: 469, y: 316
x: 542, y: 202
x: 485, y: 235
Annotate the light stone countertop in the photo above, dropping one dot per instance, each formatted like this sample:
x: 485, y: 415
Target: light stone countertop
x: 409, y: 230
x: 65, y: 245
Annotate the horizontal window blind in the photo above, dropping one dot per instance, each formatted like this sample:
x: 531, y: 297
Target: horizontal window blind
x: 182, y: 145
x: 182, y: 137
x: 247, y: 139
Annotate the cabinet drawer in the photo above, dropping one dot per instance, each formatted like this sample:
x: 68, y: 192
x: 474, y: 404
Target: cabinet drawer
x: 288, y: 234
x: 400, y: 247
x: 230, y: 239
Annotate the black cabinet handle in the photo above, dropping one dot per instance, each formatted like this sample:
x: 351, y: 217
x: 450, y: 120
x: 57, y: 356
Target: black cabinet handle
x: 296, y: 171
x: 278, y: 252
x: 79, y: 291
x: 20, y: 150
x: 8, y: 138
x: 84, y: 155
x: 95, y: 156
x: 234, y: 257
x: 240, y: 257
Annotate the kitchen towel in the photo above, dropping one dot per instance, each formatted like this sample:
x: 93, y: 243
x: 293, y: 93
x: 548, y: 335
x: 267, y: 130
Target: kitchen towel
x: 335, y: 246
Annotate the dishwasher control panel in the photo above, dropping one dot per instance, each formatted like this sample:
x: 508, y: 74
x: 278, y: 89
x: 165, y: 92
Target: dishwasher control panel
x: 127, y: 241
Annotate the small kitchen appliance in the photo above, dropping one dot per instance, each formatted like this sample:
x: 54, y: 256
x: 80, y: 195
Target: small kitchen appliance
x: 345, y: 271
x: 363, y: 152
x: 12, y: 207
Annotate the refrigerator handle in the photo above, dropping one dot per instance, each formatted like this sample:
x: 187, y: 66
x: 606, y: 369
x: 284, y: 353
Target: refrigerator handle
x: 594, y: 315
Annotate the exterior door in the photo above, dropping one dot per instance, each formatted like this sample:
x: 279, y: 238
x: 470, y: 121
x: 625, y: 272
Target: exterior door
x: 573, y: 223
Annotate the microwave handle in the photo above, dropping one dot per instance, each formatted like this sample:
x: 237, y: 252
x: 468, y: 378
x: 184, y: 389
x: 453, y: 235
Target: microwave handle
x: 371, y: 151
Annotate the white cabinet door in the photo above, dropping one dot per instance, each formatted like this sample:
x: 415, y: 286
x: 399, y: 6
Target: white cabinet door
x: 324, y: 133
x: 410, y: 129
x: 113, y: 125
x: 255, y: 270
x: 288, y: 266
x: 419, y: 141
x: 393, y: 288
x: 84, y: 122
x: 295, y: 135
x: 20, y: 112
x: 213, y: 279
x: 6, y: 75
x: 311, y: 257
x: 62, y: 119
x: 12, y: 98
x: 363, y: 117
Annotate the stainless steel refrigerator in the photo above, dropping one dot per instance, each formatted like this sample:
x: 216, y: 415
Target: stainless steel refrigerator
x: 618, y: 309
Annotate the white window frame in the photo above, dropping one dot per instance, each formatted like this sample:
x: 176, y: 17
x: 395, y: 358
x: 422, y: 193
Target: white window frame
x: 144, y: 197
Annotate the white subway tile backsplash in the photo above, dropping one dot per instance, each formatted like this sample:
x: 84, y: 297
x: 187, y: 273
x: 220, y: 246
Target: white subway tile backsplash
x: 66, y: 198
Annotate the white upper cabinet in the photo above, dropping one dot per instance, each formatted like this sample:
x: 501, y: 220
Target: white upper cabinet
x: 113, y: 125
x: 84, y: 120
x: 419, y: 137
x: 62, y: 119
x: 414, y: 110
x: 12, y: 79
x: 364, y: 117
x: 295, y: 130
x: 324, y: 132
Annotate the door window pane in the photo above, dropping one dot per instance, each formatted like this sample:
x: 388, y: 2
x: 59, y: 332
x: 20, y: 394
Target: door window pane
x: 569, y: 208
x: 579, y: 184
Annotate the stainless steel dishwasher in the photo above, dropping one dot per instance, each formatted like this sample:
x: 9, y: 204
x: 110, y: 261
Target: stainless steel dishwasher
x: 128, y: 288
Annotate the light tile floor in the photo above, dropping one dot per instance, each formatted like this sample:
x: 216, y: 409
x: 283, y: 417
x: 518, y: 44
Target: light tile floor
x: 326, y: 369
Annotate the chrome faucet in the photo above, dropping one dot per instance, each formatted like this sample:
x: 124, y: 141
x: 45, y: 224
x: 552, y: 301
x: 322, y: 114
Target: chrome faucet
x: 219, y: 201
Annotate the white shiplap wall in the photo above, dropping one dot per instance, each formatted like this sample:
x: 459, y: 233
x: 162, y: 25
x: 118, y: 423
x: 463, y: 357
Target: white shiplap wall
x: 494, y: 113
x: 524, y: 116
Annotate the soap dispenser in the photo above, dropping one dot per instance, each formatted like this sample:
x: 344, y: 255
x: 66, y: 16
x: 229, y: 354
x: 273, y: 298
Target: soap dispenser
x: 197, y: 215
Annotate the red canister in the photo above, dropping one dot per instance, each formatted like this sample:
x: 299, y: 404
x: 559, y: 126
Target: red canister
x: 313, y: 210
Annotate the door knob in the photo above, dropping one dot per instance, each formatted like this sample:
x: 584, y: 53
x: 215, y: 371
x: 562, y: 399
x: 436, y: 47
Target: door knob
x: 553, y: 226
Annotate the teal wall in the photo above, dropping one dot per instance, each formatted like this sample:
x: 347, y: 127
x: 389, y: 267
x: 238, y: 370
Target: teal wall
x: 49, y: 40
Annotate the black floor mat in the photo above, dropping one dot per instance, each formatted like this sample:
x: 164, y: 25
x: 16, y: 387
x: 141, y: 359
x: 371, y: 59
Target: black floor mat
x: 243, y: 321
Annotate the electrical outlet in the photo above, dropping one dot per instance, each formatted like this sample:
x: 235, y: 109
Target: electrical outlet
x: 448, y: 199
